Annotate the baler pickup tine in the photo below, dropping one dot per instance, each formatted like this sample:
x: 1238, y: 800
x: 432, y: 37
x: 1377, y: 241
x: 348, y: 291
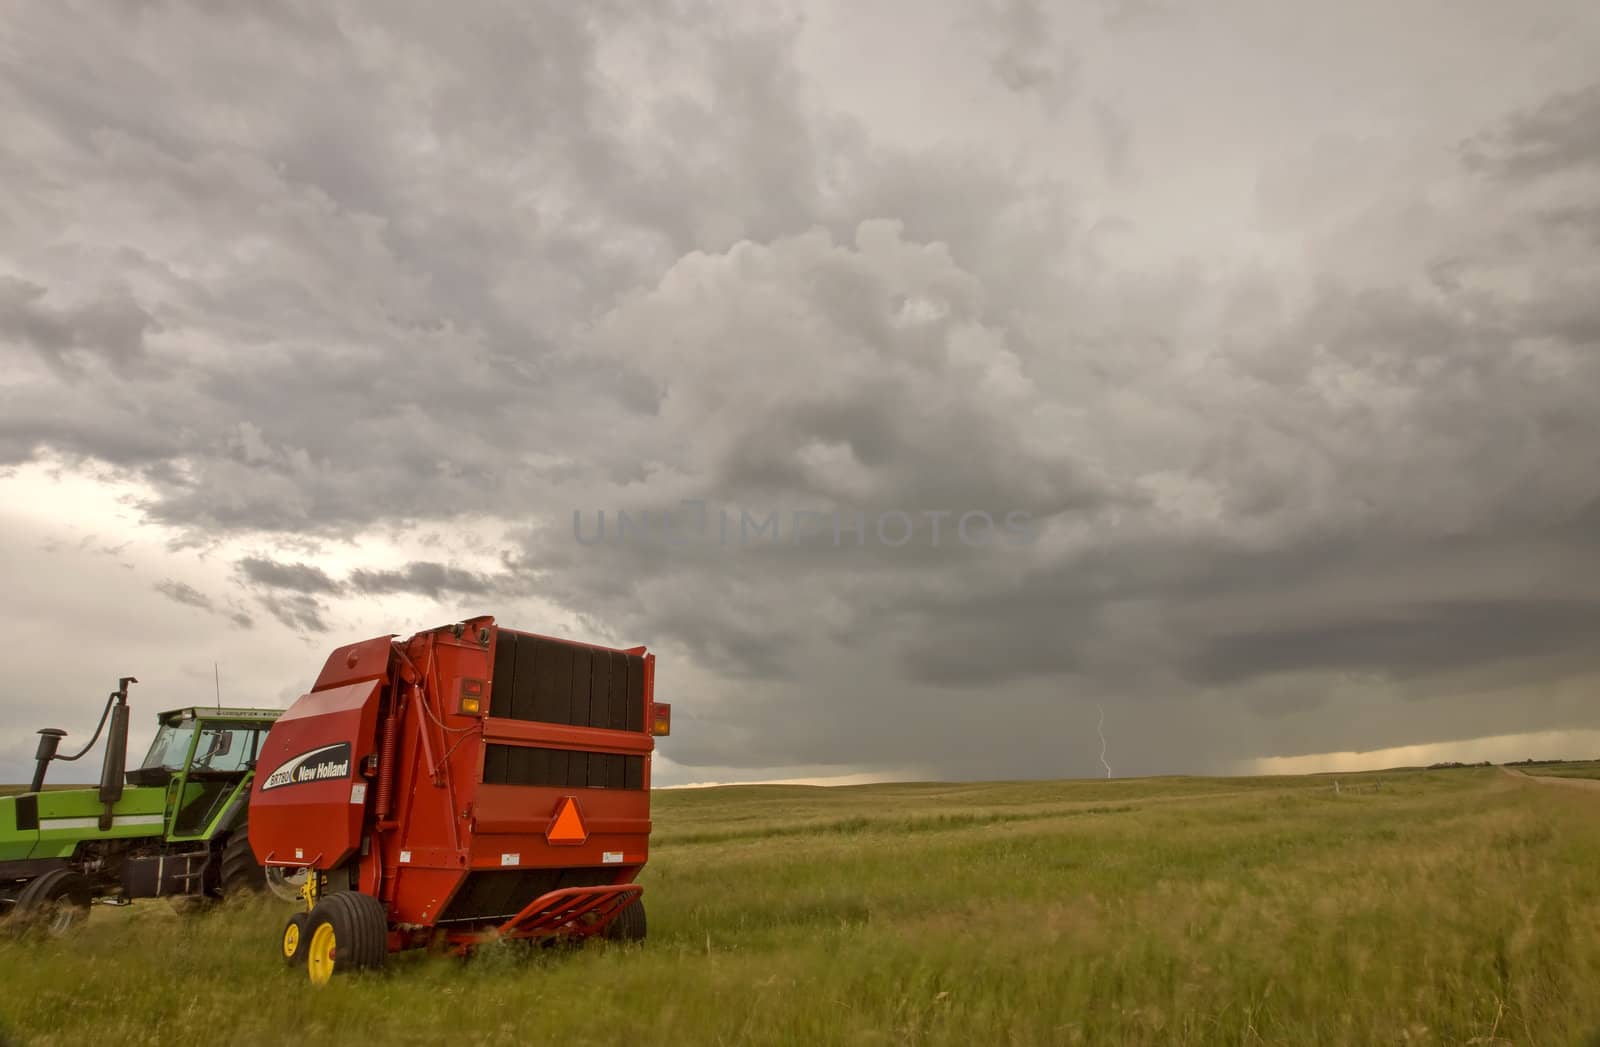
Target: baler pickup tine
x: 563, y: 911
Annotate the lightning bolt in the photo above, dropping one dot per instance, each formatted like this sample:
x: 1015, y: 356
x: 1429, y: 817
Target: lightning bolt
x: 1102, y: 729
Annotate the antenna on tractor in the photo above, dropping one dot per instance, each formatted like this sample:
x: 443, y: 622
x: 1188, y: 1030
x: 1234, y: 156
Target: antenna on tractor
x: 216, y: 671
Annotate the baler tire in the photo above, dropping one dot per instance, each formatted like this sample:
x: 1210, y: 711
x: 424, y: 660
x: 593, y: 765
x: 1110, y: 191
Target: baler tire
x: 628, y: 925
x: 53, y: 903
x: 294, y: 952
x: 241, y: 873
x: 349, y: 932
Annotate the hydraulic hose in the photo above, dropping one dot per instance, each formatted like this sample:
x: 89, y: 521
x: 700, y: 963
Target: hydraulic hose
x: 103, y: 718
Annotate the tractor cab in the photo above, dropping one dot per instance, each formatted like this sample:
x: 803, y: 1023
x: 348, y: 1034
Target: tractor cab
x: 200, y: 755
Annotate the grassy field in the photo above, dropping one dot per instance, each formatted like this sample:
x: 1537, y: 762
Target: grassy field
x: 1448, y: 907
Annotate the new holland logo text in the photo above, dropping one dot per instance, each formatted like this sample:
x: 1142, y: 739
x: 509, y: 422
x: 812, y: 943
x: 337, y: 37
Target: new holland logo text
x: 330, y: 761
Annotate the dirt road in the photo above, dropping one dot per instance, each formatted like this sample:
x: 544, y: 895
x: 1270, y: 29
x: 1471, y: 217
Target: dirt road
x: 1574, y: 783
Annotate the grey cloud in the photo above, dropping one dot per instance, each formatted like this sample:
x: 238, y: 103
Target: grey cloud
x: 1116, y: 139
x: 1582, y: 220
x: 1560, y: 135
x: 292, y: 593
x: 426, y: 578
x: 1405, y: 640
x: 296, y: 592
x: 1027, y: 56
x: 189, y: 596
x: 111, y: 329
x: 1425, y: 486
x: 450, y: 259
x: 1129, y: 13
x: 293, y: 577
x: 182, y: 592
x: 295, y: 611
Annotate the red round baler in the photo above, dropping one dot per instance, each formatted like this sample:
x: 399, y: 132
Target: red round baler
x: 468, y: 784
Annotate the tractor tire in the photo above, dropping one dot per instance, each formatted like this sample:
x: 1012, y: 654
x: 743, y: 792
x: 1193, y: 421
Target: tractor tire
x: 190, y: 904
x: 241, y: 873
x: 349, y: 932
x: 286, y: 884
x: 54, y: 904
x: 296, y: 933
x: 628, y: 925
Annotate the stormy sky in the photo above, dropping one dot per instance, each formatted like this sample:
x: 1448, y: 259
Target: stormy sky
x: 1273, y: 328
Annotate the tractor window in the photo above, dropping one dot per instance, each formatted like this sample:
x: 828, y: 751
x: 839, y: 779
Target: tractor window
x: 171, y: 746
x: 226, y: 747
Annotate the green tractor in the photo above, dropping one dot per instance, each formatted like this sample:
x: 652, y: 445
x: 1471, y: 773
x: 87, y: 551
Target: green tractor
x: 173, y: 827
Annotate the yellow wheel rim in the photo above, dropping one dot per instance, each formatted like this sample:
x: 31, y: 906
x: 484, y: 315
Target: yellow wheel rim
x: 319, y: 957
x: 291, y: 940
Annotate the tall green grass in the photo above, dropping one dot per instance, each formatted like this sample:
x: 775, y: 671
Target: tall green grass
x: 1449, y: 907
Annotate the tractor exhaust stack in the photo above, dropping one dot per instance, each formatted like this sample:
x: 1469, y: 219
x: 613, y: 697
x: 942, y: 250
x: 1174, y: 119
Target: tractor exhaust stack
x: 49, y: 742
x: 116, y: 758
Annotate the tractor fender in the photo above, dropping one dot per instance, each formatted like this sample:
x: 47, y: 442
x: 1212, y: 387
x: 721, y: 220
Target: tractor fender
x: 31, y: 868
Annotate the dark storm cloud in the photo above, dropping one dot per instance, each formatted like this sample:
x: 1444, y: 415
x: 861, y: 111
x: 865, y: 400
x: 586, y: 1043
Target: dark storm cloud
x: 1406, y: 641
x: 349, y: 275
x: 346, y: 268
x: 1364, y: 513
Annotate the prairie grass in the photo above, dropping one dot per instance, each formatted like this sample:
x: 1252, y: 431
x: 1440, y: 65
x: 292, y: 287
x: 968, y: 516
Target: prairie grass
x: 1447, y: 907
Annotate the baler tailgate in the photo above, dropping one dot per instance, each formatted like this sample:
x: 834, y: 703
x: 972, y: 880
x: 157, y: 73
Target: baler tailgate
x: 570, y: 912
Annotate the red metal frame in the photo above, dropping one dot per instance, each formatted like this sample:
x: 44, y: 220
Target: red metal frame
x: 571, y: 912
x: 414, y: 817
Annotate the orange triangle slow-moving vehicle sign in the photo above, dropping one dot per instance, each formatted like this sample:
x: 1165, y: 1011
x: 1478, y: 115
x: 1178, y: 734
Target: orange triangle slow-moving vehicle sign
x: 567, y: 826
